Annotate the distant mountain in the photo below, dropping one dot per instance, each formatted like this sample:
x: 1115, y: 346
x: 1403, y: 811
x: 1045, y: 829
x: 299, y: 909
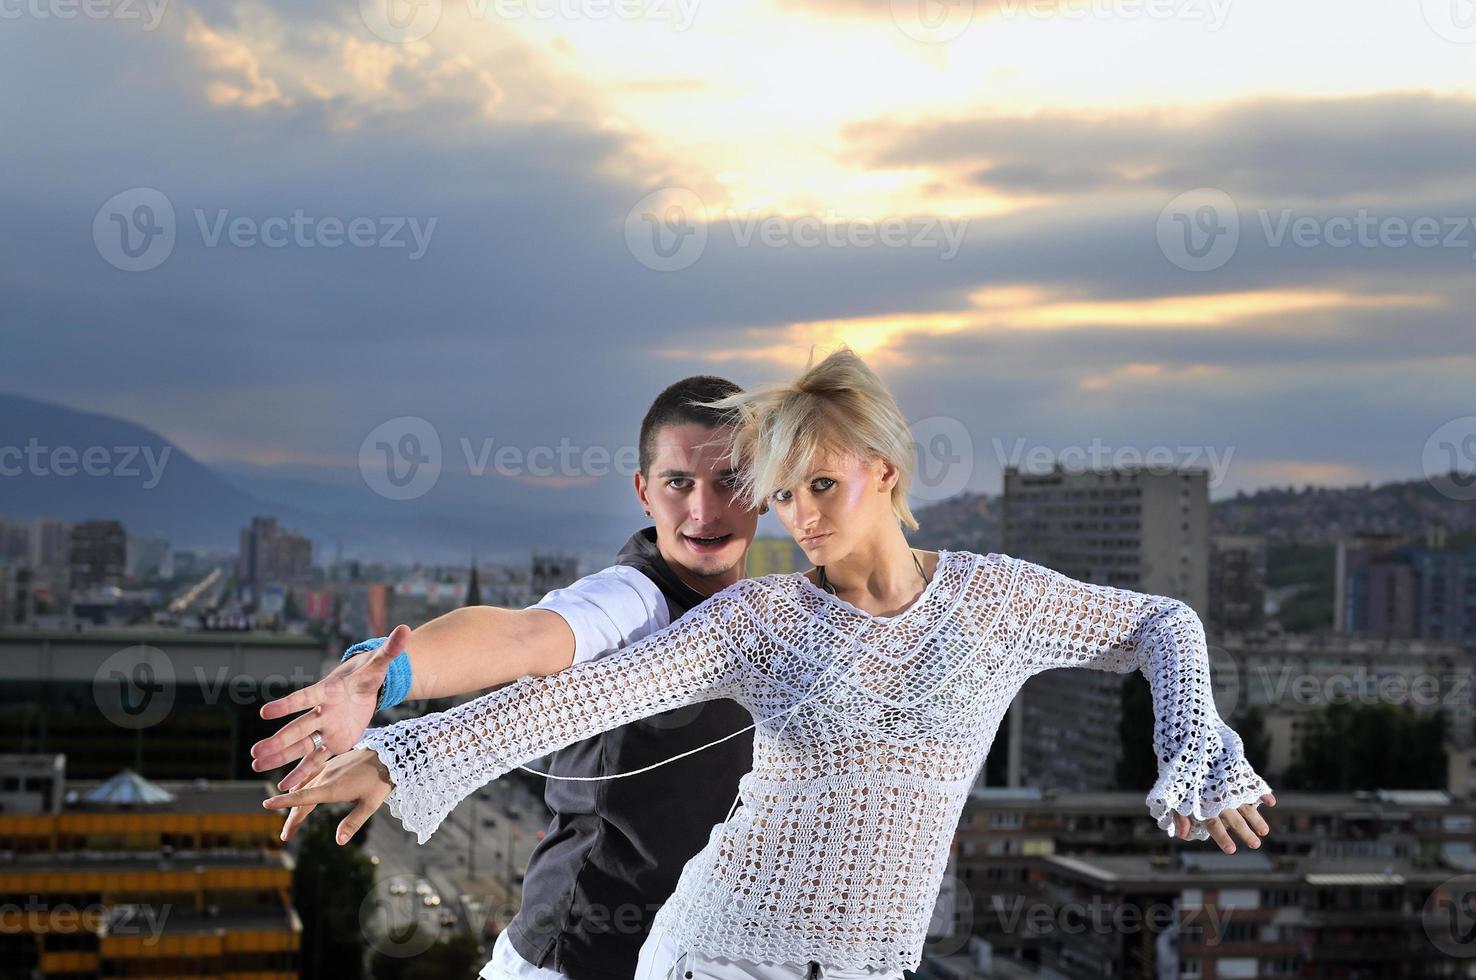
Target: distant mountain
x: 966, y: 522
x: 1323, y: 515
x: 136, y: 476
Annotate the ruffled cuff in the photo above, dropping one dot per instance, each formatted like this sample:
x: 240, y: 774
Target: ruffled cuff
x: 418, y: 810
x: 1201, y: 786
x: 426, y: 786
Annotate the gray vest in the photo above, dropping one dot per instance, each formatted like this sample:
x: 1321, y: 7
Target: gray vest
x: 615, y: 848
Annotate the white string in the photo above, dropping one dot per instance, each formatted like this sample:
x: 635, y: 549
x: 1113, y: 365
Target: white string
x: 636, y: 772
x: 855, y: 642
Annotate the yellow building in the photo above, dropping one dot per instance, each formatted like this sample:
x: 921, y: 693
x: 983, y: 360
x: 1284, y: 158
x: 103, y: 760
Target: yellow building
x: 774, y: 556
x: 129, y: 878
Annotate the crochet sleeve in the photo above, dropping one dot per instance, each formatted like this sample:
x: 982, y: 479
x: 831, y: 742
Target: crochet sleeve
x: 1202, y: 767
x: 436, y: 760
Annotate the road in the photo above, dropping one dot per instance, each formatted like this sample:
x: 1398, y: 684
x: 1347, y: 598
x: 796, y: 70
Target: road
x: 470, y: 865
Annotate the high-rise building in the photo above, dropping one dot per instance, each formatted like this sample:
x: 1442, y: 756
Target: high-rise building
x: 99, y: 554
x: 1399, y: 588
x: 15, y: 541
x: 1237, y: 584
x: 1139, y: 529
x: 51, y: 543
x: 17, y: 595
x: 1132, y: 528
x: 271, y: 554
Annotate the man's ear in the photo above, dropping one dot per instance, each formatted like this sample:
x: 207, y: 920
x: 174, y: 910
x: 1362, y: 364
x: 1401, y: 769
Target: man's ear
x: 639, y: 482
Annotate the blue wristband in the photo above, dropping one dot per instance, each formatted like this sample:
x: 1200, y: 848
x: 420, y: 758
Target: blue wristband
x: 396, y: 679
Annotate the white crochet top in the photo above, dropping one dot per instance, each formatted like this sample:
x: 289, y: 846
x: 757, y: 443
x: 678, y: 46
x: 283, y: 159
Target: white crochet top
x: 870, y: 733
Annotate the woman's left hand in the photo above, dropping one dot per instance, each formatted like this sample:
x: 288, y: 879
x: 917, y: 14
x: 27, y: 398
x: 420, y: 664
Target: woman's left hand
x: 356, y: 776
x: 1243, y: 820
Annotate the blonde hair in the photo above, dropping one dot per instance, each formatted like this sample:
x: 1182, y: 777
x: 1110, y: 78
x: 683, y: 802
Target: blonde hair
x: 838, y: 404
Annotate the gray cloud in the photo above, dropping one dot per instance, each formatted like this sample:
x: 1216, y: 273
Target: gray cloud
x: 528, y: 320
x: 1377, y: 146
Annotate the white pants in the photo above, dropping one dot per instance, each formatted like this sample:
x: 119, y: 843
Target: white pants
x: 662, y: 958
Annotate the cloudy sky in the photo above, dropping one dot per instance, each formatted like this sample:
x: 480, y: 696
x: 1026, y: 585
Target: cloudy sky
x: 1234, y: 229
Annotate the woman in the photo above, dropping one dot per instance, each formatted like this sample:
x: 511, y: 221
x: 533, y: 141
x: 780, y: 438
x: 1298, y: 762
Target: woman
x: 878, y: 679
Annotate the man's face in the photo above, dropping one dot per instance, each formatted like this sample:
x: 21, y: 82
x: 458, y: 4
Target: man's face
x: 689, y: 491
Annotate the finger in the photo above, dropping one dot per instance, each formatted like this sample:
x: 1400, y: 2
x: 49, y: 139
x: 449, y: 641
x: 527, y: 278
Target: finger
x: 393, y: 646
x: 1255, y: 820
x: 1181, y: 826
x: 295, y: 818
x: 1269, y: 799
x: 350, y: 824
x: 1216, y: 828
x: 1236, y: 823
x: 291, y: 742
x: 311, y: 764
x: 317, y: 793
x: 299, y: 700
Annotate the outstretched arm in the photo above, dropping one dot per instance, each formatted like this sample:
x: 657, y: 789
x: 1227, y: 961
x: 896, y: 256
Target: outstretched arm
x: 1204, y: 782
x: 435, y: 761
x: 462, y: 652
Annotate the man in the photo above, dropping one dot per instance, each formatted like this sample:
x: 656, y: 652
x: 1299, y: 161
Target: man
x: 614, y: 848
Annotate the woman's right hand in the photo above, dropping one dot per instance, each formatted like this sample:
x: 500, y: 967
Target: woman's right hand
x: 339, y: 707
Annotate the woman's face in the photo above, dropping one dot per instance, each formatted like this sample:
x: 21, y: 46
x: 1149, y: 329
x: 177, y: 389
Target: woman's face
x: 843, y: 501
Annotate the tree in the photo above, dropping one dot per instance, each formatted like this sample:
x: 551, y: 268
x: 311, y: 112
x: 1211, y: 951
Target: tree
x: 329, y: 885
x: 1370, y: 746
x: 1137, y: 766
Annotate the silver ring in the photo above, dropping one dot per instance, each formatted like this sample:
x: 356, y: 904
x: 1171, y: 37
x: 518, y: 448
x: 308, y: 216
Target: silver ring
x: 317, y: 738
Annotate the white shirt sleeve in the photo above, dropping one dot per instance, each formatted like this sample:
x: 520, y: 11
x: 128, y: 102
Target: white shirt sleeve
x: 609, y: 609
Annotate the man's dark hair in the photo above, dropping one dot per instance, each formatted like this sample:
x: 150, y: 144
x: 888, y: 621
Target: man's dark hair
x: 673, y: 407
